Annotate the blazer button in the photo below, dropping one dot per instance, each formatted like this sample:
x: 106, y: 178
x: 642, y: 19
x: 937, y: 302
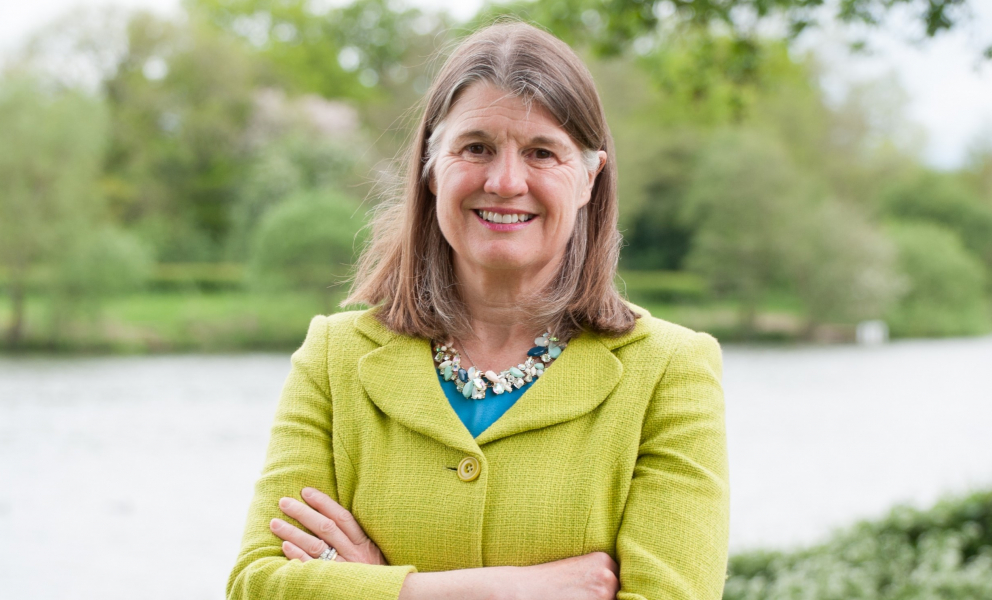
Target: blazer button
x: 468, y: 469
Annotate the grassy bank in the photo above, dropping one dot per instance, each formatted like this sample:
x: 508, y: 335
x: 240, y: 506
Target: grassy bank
x: 207, y: 308
x: 233, y: 321
x: 225, y: 321
x: 941, y: 553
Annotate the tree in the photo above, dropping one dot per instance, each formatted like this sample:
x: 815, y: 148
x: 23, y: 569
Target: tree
x: 744, y: 203
x: 841, y: 267
x: 657, y: 236
x: 978, y: 171
x: 50, y: 159
x: 296, y: 145
x: 178, y: 118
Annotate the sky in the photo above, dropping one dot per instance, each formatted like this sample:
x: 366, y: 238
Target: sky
x: 949, y: 86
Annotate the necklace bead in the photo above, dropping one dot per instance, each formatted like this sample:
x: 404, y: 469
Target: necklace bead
x: 474, y: 384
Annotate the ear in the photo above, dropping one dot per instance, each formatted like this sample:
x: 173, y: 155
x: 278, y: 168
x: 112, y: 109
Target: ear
x: 594, y: 174
x: 432, y: 183
x: 592, y: 177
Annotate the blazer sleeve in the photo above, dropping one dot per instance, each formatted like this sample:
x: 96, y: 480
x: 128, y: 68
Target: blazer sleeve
x: 673, y: 538
x: 300, y: 455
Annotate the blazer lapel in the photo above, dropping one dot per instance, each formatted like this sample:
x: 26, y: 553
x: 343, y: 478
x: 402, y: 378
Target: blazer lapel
x: 576, y: 383
x: 401, y: 380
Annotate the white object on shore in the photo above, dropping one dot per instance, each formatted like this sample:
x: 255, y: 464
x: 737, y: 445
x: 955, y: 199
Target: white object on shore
x: 872, y: 333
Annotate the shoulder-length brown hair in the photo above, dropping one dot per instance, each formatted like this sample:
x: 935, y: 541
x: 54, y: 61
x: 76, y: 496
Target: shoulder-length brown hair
x: 405, y: 269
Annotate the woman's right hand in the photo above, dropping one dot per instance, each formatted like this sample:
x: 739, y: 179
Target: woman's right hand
x: 332, y: 525
x: 588, y: 577
x: 593, y: 576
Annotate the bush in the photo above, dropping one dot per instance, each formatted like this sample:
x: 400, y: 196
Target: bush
x: 842, y: 267
x: 105, y: 263
x: 108, y: 263
x: 945, y: 200
x: 946, y: 284
x: 944, y: 552
x: 309, y: 241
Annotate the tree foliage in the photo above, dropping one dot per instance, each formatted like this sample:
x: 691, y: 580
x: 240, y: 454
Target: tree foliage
x: 612, y: 25
x: 339, y: 52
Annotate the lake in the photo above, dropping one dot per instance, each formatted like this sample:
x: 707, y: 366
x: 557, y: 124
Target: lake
x: 127, y: 477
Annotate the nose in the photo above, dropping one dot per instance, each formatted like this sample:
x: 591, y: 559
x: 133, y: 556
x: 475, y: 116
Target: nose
x: 507, y: 176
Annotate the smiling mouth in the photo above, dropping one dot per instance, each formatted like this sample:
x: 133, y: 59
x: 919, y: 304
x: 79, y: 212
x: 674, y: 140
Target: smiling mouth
x: 493, y: 217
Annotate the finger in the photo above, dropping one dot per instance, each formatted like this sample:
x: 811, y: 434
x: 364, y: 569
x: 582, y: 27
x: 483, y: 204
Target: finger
x: 300, y: 539
x: 613, y: 566
x: 326, y: 505
x: 291, y: 551
x: 322, y: 527
x: 603, y: 559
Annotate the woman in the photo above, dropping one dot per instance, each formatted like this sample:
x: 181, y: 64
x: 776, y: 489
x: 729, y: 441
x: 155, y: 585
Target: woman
x: 501, y: 424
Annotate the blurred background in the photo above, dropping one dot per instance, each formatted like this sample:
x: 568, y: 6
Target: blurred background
x: 183, y: 185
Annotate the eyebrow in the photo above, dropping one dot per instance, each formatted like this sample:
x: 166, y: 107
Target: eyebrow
x: 478, y: 134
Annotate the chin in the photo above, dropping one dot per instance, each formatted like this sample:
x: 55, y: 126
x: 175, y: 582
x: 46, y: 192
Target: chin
x: 504, y: 263
x: 504, y: 260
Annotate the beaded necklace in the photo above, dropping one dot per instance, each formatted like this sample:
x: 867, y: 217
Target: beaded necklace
x: 473, y: 383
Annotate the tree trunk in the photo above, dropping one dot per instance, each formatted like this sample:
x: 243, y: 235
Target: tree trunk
x: 15, y: 331
x: 748, y: 316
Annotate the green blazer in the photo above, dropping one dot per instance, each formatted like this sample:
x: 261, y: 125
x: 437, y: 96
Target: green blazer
x: 619, y: 448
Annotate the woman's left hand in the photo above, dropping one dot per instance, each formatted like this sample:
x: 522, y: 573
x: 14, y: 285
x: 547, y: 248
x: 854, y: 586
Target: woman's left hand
x: 333, y: 526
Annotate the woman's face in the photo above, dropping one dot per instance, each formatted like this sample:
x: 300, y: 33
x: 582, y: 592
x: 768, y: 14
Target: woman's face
x: 509, y: 182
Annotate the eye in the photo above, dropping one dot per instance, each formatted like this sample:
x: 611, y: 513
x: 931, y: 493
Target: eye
x: 478, y: 149
x: 543, y: 154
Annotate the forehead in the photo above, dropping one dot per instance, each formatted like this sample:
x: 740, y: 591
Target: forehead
x: 488, y: 111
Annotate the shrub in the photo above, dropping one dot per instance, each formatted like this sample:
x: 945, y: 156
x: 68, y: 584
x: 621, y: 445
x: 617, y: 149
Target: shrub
x: 110, y: 262
x: 946, y: 284
x: 842, y: 267
x: 944, y: 552
x: 309, y: 241
x: 945, y: 200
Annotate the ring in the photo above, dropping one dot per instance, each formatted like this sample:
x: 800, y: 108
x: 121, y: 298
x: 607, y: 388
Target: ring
x: 328, y: 554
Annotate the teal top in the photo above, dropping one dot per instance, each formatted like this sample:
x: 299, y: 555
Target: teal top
x: 478, y: 415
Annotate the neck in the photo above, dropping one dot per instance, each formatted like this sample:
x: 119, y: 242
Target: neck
x: 502, y: 330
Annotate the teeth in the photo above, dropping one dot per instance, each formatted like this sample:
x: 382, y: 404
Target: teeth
x: 493, y: 217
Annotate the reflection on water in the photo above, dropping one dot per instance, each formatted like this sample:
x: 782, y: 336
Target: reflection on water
x: 122, y: 477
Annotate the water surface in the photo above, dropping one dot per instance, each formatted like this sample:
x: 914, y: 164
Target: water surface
x: 131, y: 477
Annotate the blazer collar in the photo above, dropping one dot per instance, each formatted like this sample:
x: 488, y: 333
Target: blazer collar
x: 401, y: 380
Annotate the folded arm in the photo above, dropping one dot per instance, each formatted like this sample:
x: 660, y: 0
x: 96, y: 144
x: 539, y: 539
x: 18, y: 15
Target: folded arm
x: 300, y: 454
x: 284, y: 523
x: 672, y: 542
